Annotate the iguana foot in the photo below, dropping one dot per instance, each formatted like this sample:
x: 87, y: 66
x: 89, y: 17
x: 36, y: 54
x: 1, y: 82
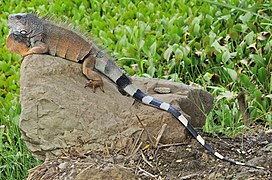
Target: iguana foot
x: 95, y: 84
x: 95, y: 79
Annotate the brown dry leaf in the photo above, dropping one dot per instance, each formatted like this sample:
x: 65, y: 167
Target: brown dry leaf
x: 263, y: 36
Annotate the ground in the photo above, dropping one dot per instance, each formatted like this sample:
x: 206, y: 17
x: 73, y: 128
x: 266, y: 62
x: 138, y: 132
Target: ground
x: 177, y: 161
x: 191, y: 161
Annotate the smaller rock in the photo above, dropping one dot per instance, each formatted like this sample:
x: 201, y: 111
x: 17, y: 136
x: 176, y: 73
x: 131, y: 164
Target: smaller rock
x: 162, y: 90
x: 63, y: 165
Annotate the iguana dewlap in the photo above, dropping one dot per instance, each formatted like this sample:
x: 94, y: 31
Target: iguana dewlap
x: 39, y: 36
x: 17, y: 44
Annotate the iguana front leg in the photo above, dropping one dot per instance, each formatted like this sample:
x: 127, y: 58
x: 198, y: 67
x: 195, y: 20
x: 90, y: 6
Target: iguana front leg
x: 95, y: 79
x: 38, y: 48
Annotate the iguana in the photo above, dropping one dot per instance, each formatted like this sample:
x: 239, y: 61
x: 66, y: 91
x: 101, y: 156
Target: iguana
x: 34, y: 35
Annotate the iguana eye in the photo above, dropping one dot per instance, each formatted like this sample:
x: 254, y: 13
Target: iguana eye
x: 23, y: 32
x: 18, y: 17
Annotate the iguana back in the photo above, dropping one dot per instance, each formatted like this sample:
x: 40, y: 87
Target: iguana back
x: 65, y: 43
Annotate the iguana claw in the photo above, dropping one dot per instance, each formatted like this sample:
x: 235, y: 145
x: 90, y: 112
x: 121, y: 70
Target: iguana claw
x: 94, y: 84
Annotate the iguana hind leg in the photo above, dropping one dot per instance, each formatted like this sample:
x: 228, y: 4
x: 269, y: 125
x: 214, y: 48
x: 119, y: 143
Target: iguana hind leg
x: 95, y: 79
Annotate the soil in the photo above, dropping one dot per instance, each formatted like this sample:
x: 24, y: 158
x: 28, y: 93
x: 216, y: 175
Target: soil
x: 191, y: 162
x: 177, y: 161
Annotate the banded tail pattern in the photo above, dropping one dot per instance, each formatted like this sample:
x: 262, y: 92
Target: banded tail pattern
x: 112, y: 71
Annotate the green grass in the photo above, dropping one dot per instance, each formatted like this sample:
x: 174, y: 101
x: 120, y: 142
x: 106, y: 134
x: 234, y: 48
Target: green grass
x: 15, y: 159
x: 224, y: 46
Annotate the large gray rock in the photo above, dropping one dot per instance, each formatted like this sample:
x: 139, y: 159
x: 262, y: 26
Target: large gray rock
x: 59, y: 113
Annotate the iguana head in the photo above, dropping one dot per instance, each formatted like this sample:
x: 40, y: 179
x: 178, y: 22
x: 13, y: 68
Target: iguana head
x: 27, y: 25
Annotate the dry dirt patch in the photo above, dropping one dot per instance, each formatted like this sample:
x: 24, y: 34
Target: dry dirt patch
x: 176, y: 161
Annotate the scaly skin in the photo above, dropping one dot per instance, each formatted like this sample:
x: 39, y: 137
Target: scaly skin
x: 17, y: 44
x: 46, y: 37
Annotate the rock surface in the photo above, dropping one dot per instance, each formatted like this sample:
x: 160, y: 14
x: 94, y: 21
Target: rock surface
x: 59, y: 113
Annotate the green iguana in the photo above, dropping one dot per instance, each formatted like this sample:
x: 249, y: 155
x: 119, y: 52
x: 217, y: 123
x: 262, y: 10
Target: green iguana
x: 39, y: 36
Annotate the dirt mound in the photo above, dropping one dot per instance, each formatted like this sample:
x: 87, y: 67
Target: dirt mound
x: 166, y: 161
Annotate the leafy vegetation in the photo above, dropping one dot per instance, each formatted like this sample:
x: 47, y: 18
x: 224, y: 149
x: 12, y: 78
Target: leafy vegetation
x: 224, y: 46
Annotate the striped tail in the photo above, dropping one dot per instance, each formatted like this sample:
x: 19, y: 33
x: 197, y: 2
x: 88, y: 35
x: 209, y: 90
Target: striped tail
x: 112, y: 71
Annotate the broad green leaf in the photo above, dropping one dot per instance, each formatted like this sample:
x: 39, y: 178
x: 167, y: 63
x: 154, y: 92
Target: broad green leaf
x: 153, y: 48
x: 151, y: 70
x: 226, y: 56
x: 187, y: 61
x: 227, y: 94
x: 233, y: 34
x: 262, y: 74
x: 168, y: 52
x: 142, y: 42
x: 245, y: 80
x: 178, y: 53
x: 196, y: 28
x: 232, y: 73
x: 218, y: 47
x: 257, y: 94
x: 174, y: 77
x: 208, y: 76
x: 245, y: 18
x: 258, y: 59
x: 249, y: 38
